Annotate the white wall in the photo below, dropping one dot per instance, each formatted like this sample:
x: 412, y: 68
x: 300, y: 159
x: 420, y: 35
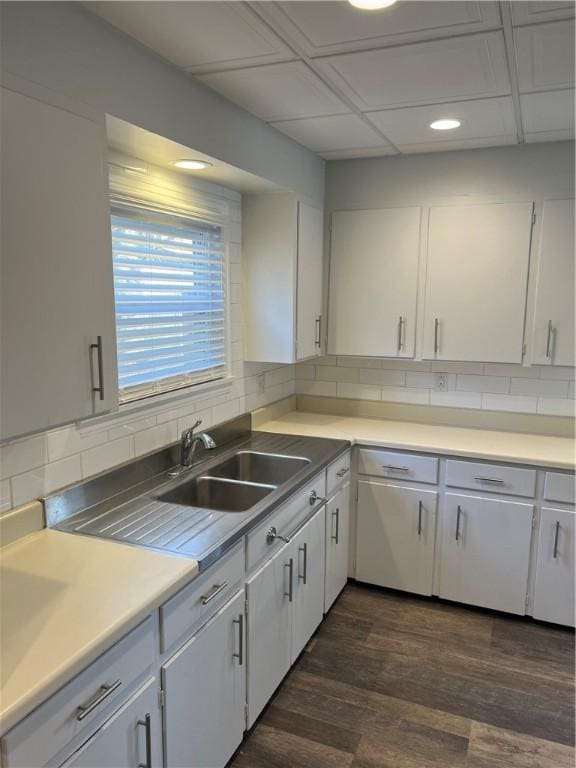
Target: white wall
x: 62, y: 46
x: 532, y: 172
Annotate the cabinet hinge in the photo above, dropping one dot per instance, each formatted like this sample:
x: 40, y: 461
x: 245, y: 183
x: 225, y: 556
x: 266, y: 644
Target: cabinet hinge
x: 161, y: 699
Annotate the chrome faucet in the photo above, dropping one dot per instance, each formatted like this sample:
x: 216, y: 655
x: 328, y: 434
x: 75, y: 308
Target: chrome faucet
x: 188, y: 445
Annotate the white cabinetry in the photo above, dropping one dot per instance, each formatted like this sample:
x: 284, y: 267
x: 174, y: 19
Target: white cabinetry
x: 57, y: 295
x: 282, y: 278
x: 395, y: 536
x: 308, y: 581
x: 553, y: 340
x: 373, y: 282
x: 337, y: 544
x: 477, y: 274
x: 204, y: 685
x: 555, y: 568
x: 485, y: 552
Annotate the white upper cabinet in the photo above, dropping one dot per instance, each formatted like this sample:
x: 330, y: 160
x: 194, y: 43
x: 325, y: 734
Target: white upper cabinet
x: 477, y: 274
x: 282, y: 256
x: 373, y: 282
x: 58, y: 342
x: 553, y: 336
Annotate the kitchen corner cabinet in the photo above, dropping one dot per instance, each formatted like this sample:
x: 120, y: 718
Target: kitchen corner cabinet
x: 477, y: 273
x: 553, y: 335
x: 373, y: 282
x: 554, y: 585
x: 282, y: 252
x: 204, y: 684
x: 337, y: 544
x: 57, y: 298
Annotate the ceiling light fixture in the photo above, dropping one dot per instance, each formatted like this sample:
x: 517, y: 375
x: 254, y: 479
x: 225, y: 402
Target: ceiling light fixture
x: 191, y: 165
x: 372, y: 5
x: 445, y: 124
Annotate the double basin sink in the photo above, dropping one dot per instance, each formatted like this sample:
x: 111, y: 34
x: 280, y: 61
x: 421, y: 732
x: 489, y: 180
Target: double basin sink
x: 237, y: 484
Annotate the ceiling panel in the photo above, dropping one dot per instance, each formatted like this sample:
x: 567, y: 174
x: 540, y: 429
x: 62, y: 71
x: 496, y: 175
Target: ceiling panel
x: 527, y: 12
x: 455, y: 144
x: 481, y: 119
x: 277, y: 91
x: 347, y: 154
x: 545, y: 56
x: 322, y: 28
x: 197, y: 35
x: 329, y: 133
x: 548, y: 116
x: 460, y: 68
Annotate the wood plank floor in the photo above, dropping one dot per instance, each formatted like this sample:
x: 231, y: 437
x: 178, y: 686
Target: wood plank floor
x: 394, y: 681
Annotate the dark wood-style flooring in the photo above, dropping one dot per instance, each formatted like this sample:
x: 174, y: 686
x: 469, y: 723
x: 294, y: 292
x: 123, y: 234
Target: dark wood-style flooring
x: 394, y: 681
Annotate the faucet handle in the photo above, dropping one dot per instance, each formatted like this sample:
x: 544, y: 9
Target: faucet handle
x: 187, y: 433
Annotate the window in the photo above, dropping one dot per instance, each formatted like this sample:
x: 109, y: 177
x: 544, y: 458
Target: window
x: 170, y: 292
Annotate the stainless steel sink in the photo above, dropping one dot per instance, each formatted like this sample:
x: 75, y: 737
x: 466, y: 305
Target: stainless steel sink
x: 256, y: 467
x: 218, y: 493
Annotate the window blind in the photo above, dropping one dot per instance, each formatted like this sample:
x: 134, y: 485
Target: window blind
x: 170, y: 293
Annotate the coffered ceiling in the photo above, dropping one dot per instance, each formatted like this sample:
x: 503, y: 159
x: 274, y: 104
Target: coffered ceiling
x: 351, y: 83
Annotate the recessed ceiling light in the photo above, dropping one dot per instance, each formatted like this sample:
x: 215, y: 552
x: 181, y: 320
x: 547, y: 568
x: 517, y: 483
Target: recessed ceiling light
x: 191, y: 165
x: 446, y: 124
x: 372, y: 5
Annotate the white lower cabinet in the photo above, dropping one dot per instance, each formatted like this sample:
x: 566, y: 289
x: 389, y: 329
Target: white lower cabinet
x: 129, y: 739
x: 337, y: 544
x: 554, y: 585
x: 204, y: 685
x: 485, y: 552
x: 308, y: 589
x: 395, y: 536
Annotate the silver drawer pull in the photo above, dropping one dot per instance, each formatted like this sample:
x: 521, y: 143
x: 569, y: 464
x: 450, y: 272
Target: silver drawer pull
x: 342, y: 472
x: 314, y: 498
x: 240, y: 654
x: 488, y: 479
x: 556, y: 538
x: 290, y: 593
x: 105, y: 690
x: 304, y: 550
x: 216, y: 589
x: 420, y: 518
x: 148, y: 730
x: 458, y: 516
x: 395, y: 468
x: 336, y: 516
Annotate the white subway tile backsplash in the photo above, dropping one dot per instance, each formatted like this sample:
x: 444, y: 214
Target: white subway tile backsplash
x: 556, y: 406
x: 406, y: 365
x: 360, y: 362
x: 327, y: 360
x: 130, y: 427
x: 278, y: 376
x: 335, y: 373
x: 557, y: 372
x: 539, y: 387
x: 406, y: 395
x: 439, y: 366
x: 305, y: 372
x: 382, y: 378
x: 22, y: 455
x: 5, y: 496
x: 225, y: 411
x: 477, y: 383
x: 320, y: 388
x: 43, y: 480
x: 513, y: 403
x: 103, y: 457
x: 501, y: 369
x: 358, y: 391
x: 73, y: 439
x: 421, y: 380
x: 572, y: 389
x: 156, y: 437
x: 456, y: 399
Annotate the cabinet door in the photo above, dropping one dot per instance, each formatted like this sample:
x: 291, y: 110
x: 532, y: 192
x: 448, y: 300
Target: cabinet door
x: 308, y: 603
x: 554, y: 587
x: 125, y: 739
x: 57, y: 292
x: 373, y: 282
x: 337, y: 544
x: 309, y: 288
x: 270, y: 593
x: 395, y: 537
x: 553, y: 340
x: 205, y: 684
x: 485, y: 552
x: 476, y: 282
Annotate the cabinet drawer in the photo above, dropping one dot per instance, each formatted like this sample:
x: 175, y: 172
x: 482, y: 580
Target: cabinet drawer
x: 491, y: 477
x: 559, y: 486
x: 285, y: 520
x: 54, y: 724
x: 400, y: 466
x: 196, y: 602
x: 337, y: 473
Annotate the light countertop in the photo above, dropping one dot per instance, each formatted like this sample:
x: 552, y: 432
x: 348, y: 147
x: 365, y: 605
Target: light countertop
x: 514, y: 447
x: 65, y: 599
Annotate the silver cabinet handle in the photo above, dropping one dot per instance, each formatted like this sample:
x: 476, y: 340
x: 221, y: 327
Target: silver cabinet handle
x: 395, y: 468
x: 556, y: 539
x: 419, y: 518
x: 214, y: 592
x: 482, y: 479
x: 240, y: 654
x: 336, y: 515
x: 318, y: 340
x: 304, y: 550
x: 401, y: 323
x: 272, y: 535
x: 148, y: 730
x: 436, y: 334
x: 458, y: 516
x: 549, y: 340
x: 290, y: 593
x: 105, y: 690
x: 314, y: 498
x: 100, y: 358
x: 342, y: 472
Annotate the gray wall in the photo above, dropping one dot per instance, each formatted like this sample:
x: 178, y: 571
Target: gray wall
x: 64, y: 47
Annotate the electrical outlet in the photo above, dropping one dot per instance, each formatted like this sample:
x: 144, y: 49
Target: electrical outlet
x: 441, y: 382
